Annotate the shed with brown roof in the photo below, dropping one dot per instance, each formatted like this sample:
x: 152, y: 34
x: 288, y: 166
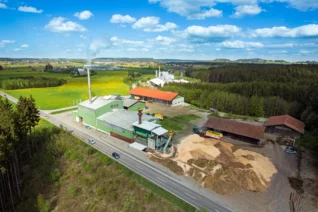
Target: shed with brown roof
x: 237, y: 130
x: 285, y: 125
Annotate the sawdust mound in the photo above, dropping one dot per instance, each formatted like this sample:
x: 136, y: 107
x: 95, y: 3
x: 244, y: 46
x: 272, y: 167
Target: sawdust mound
x: 219, y: 166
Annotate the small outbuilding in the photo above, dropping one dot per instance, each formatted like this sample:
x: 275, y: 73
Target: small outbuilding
x: 285, y: 125
x: 236, y: 130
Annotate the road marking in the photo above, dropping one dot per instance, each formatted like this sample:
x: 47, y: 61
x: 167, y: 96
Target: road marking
x: 190, y: 195
x: 216, y: 210
x: 162, y: 180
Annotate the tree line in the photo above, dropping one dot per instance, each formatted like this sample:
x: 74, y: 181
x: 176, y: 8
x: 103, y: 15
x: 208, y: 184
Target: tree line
x: 256, y: 90
x: 16, y: 126
x: 31, y: 82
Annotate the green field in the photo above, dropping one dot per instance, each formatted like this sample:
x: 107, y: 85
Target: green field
x: 103, y: 83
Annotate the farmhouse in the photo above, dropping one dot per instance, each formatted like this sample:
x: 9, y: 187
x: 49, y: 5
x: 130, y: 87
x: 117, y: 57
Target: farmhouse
x: 236, y: 130
x: 285, y: 125
x: 162, y: 97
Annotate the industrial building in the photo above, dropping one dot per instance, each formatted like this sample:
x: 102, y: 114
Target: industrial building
x: 163, y: 77
x: 162, y: 97
x: 119, y: 118
x: 285, y: 125
x: 236, y: 130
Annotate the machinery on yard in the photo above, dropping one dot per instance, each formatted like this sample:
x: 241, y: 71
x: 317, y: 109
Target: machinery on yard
x: 205, y: 132
x: 159, y: 116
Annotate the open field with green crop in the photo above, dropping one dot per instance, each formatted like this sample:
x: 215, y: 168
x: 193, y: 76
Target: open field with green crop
x: 103, y: 83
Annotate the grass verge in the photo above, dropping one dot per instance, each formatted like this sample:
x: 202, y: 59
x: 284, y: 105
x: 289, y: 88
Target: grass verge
x: 63, y: 111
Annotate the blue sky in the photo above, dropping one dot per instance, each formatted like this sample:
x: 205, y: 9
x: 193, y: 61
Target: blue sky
x: 181, y: 29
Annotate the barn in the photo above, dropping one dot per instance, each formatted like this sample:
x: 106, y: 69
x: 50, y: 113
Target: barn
x: 236, y: 130
x: 157, y: 96
x: 285, y: 125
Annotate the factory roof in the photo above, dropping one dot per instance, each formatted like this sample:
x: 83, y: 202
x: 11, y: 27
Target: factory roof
x: 146, y: 125
x: 160, y: 131
x: 234, y: 127
x: 287, y: 121
x: 123, y: 118
x: 97, y: 102
x: 156, y: 94
x: 157, y: 81
x: 129, y: 102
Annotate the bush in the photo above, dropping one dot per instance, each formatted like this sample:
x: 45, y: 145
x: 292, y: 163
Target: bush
x: 72, y: 190
x: 42, y: 204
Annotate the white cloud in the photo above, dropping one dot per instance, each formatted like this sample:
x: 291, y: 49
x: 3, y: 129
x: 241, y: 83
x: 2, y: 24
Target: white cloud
x: 60, y: 24
x: 205, y: 14
x: 216, y: 33
x: 198, y: 9
x: 310, y: 30
x: 218, y: 49
x: 132, y: 49
x: 240, y: 44
x: 25, y: 46
x: 302, y: 4
x: 144, y: 50
x: 84, y: 15
x: 7, y: 41
x: 151, y: 24
x: 189, y: 8
x: 29, y: 9
x: 146, y: 22
x: 4, y: 42
x: 118, y: 42
x: 305, y: 52
x: 16, y: 49
x: 118, y: 18
x: 161, y: 28
x: 83, y: 37
x: 243, y: 10
x: 3, y: 6
x: 165, y: 40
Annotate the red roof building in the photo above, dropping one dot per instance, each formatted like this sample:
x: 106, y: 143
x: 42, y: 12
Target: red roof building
x: 236, y: 129
x: 285, y: 125
x: 164, y: 97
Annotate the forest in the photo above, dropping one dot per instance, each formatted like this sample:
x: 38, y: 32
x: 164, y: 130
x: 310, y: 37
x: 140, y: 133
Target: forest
x: 16, y: 144
x: 14, y: 83
x: 255, y: 90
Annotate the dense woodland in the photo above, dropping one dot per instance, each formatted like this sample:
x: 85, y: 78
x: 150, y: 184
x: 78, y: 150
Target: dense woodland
x: 16, y: 144
x: 31, y: 82
x: 256, y: 90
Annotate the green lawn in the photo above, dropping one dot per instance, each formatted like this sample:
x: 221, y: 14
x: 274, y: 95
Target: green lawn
x: 177, y: 123
x: 103, y: 83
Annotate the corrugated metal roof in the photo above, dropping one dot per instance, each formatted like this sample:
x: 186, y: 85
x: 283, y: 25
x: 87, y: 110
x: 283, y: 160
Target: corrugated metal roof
x: 146, y: 125
x: 97, y: 102
x: 138, y: 146
x: 123, y: 118
x: 234, y: 127
x: 129, y: 102
x: 157, y: 94
x: 288, y: 121
x: 160, y: 131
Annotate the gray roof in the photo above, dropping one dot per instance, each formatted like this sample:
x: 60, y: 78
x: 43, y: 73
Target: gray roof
x: 146, y: 125
x: 129, y: 102
x: 160, y: 131
x: 123, y: 118
x: 97, y: 102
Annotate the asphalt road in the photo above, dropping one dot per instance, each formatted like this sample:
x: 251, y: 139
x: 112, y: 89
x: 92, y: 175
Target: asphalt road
x: 154, y: 175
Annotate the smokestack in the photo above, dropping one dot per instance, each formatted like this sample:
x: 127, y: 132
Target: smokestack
x: 159, y: 72
x: 89, y: 85
x: 156, y: 73
x: 140, y: 116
